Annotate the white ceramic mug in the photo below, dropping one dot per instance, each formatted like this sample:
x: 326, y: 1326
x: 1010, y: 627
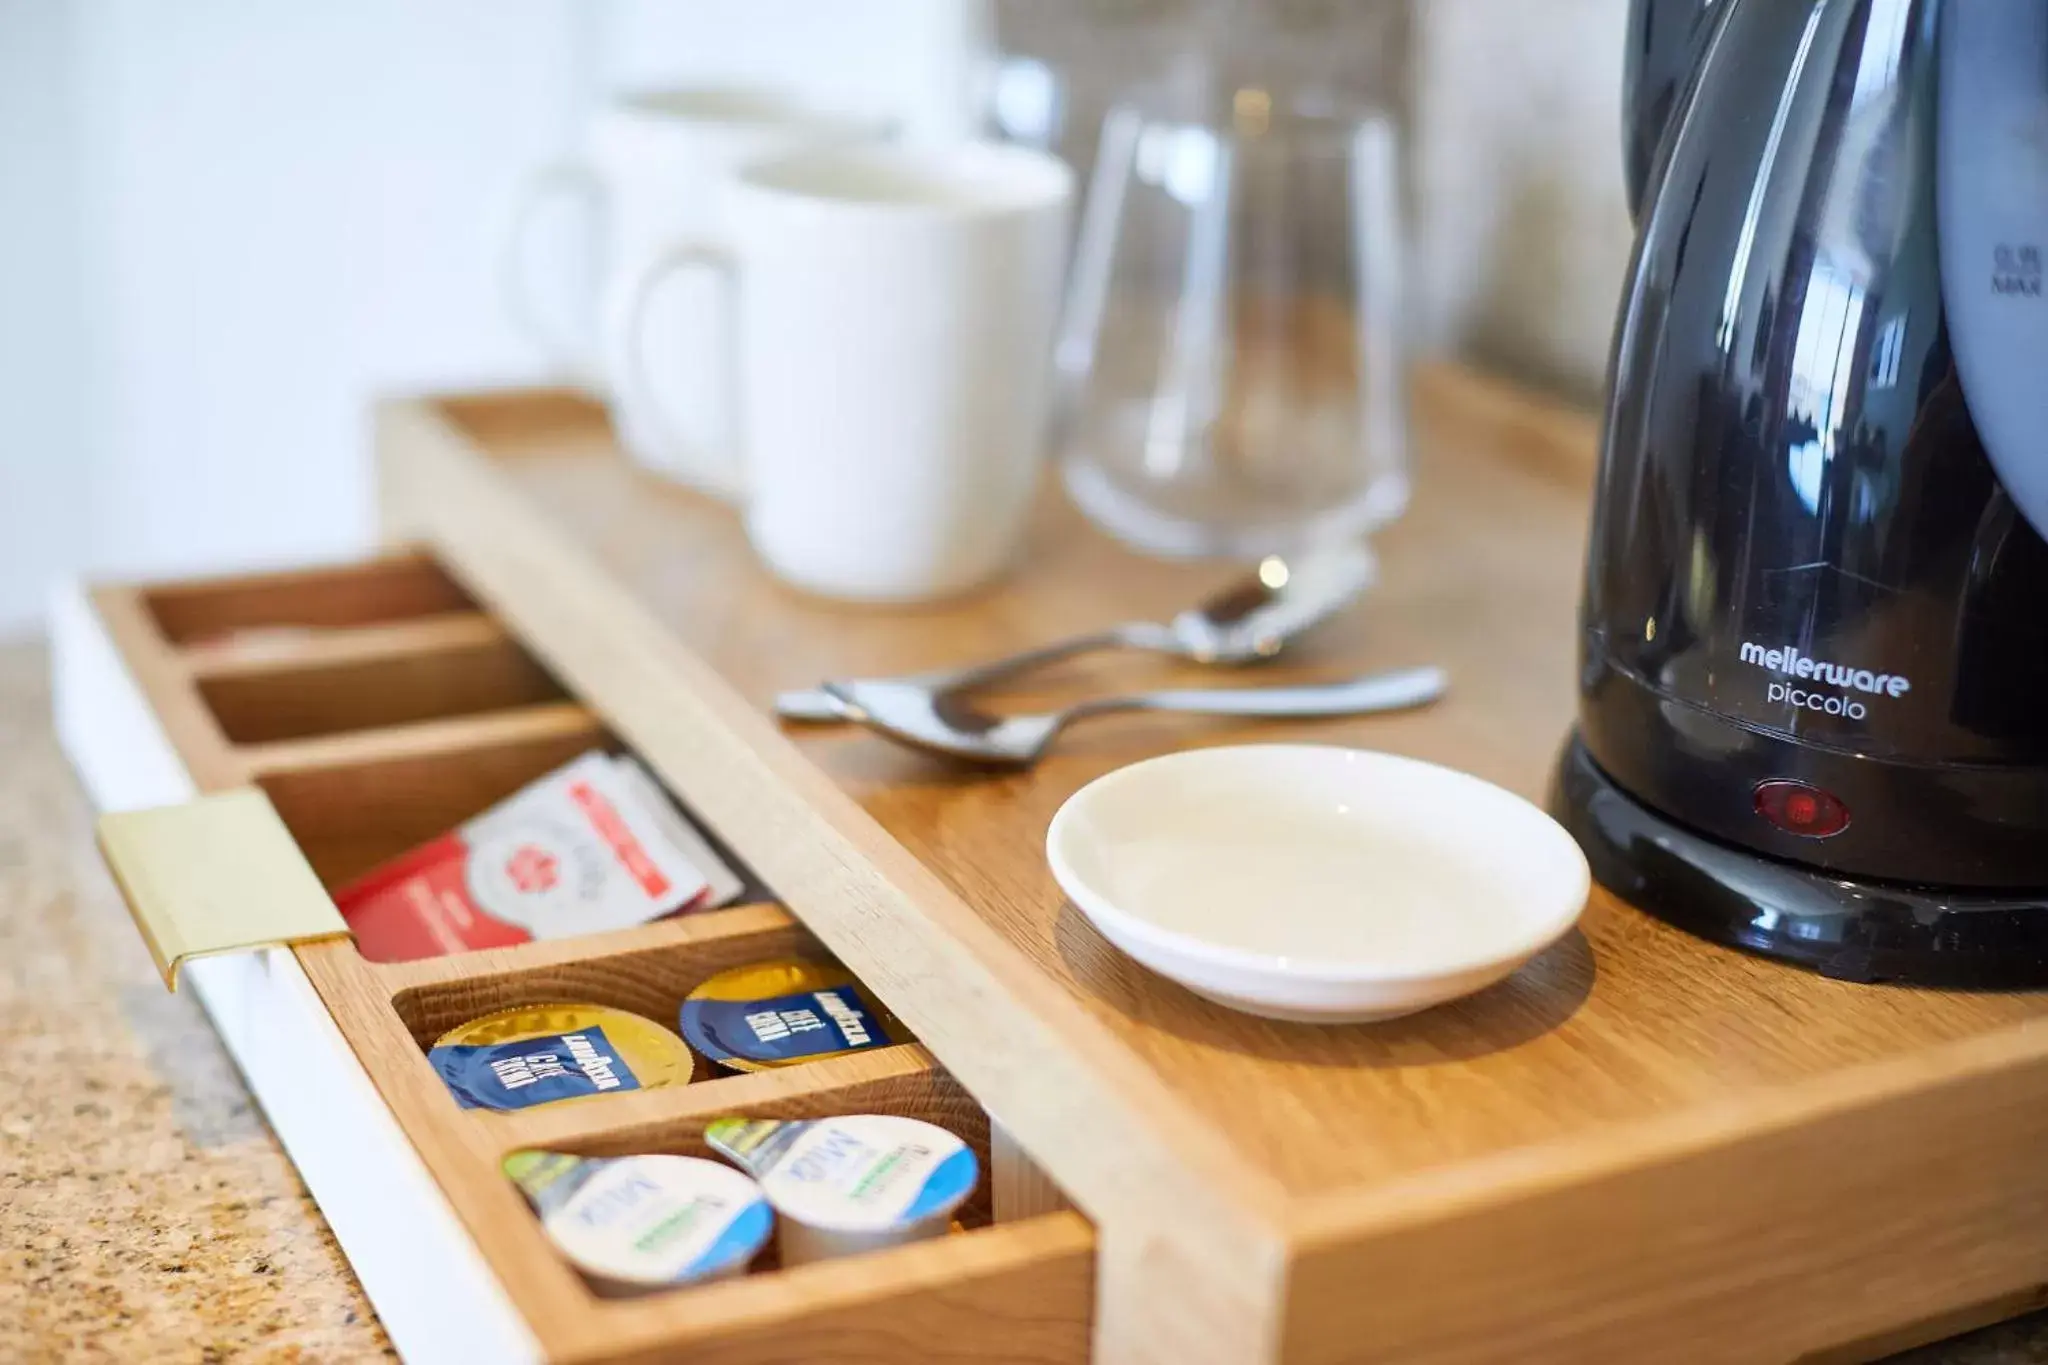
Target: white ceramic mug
x: 893, y: 312
x: 651, y: 171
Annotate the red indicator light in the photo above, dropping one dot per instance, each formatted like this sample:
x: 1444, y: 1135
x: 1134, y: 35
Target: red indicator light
x: 1798, y: 809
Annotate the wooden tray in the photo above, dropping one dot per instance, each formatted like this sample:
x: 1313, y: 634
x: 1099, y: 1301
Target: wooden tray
x: 1641, y: 1148
x: 376, y: 705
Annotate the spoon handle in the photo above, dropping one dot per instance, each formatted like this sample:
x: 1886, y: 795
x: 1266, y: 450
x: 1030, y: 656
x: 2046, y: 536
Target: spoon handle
x: 819, y: 706
x: 1395, y: 691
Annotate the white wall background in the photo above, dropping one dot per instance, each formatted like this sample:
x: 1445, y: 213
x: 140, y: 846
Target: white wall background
x: 1524, y: 232
x: 909, y: 59
x: 226, y: 224
x: 285, y: 209
x: 42, y: 345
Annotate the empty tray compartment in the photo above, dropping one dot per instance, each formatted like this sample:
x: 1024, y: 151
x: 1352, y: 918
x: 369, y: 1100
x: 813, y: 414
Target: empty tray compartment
x: 281, y: 607
x: 459, y: 664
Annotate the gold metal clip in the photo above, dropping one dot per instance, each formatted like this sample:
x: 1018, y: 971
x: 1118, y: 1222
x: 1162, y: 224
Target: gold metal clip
x: 219, y: 875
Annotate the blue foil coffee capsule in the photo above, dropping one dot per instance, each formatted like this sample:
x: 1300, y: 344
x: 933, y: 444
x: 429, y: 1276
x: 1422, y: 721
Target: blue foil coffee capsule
x: 519, y: 1058
x: 775, y: 1014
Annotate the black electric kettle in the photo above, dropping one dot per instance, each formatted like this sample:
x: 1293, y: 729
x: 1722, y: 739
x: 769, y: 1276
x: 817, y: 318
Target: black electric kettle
x: 1814, y: 688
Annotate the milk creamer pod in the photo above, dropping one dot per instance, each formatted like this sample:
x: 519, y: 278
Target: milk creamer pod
x: 840, y: 1186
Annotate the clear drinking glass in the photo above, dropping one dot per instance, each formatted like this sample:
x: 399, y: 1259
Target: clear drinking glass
x: 1231, y: 357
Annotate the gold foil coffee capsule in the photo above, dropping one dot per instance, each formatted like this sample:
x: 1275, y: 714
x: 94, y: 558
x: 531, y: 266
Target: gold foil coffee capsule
x: 781, y: 1013
x: 541, y: 1054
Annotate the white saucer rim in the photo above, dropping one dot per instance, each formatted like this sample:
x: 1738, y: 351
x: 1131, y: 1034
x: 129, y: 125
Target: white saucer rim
x: 1547, y: 931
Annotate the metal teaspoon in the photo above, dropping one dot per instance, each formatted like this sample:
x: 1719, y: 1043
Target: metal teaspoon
x: 1252, y: 619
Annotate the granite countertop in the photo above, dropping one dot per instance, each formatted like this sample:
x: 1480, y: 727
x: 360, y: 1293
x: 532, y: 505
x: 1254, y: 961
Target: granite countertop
x: 146, y: 1212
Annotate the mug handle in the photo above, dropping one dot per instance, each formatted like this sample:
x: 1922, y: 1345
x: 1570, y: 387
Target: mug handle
x: 637, y: 379
x: 543, y: 184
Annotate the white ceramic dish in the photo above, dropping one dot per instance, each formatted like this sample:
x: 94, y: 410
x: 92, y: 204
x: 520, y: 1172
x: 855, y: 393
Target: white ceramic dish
x: 1320, y: 885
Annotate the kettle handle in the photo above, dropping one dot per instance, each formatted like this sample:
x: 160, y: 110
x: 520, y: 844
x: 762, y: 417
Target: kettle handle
x: 1666, y: 40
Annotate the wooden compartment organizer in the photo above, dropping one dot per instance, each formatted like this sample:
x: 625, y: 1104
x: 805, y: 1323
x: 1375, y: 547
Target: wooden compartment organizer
x: 377, y: 705
x: 1640, y: 1148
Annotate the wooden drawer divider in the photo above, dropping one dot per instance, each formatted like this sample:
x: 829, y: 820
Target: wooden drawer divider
x: 219, y: 663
